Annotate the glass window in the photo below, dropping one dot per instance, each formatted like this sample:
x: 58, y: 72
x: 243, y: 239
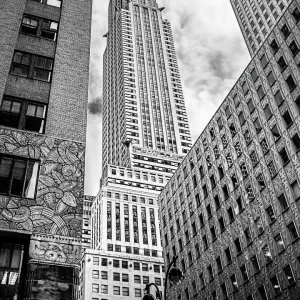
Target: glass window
x: 95, y: 274
x: 275, y: 284
x: 293, y: 231
x: 95, y: 288
x: 104, y: 289
x: 289, y: 274
x: 116, y: 290
x: 104, y: 275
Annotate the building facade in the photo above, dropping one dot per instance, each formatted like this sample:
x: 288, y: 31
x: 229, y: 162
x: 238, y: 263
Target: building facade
x: 145, y: 137
x: 86, y: 223
x: 231, y: 210
x: 257, y: 18
x: 43, y: 100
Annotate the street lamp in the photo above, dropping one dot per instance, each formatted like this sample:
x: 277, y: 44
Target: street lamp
x: 173, y: 274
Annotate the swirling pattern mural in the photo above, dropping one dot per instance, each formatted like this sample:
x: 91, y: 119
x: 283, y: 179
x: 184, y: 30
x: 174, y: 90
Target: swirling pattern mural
x: 57, y: 209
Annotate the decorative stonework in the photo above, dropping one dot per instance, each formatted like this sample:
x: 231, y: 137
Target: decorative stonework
x: 57, y: 208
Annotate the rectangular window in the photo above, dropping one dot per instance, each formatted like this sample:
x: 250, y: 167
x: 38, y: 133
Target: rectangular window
x: 244, y: 272
x: 32, y: 66
x: 275, y: 284
x: 234, y: 282
x: 104, y: 275
x: 267, y: 253
x: 125, y: 291
x: 116, y: 290
x: 219, y: 264
x: 289, y: 274
x: 280, y: 243
x: 251, y: 106
x: 285, y: 31
x: 238, y: 246
x: 242, y: 118
x: 278, y: 98
x: 268, y: 112
x: 255, y: 264
x: 138, y: 293
x: 291, y: 83
x: 271, y: 78
x: 254, y: 75
x: 18, y: 176
x: 257, y: 125
x: 283, y: 202
x: 293, y: 231
x: 260, y: 92
x: 296, y: 141
x: 95, y: 288
x: 284, y: 156
x: 137, y: 279
x: 125, y: 277
x: 271, y: 214
x: 95, y: 274
x: 262, y: 293
x: 228, y: 255
x: 248, y: 235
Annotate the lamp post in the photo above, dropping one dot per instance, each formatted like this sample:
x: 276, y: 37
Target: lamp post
x: 173, y: 274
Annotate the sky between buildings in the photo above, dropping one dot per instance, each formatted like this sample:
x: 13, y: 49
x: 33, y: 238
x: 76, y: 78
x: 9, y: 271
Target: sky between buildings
x: 211, y: 55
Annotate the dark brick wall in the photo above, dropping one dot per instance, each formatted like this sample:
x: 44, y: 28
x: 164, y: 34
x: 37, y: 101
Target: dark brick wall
x: 43, y: 11
x: 69, y: 93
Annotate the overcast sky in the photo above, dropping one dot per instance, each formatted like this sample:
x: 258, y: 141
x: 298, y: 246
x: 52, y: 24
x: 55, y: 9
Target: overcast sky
x: 211, y: 55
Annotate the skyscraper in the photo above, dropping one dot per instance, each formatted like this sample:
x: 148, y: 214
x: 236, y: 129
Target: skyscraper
x: 257, y: 18
x: 145, y: 137
x: 44, y: 75
x: 234, y: 200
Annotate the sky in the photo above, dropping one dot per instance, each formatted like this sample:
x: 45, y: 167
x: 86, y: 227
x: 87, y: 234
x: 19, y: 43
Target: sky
x: 211, y: 56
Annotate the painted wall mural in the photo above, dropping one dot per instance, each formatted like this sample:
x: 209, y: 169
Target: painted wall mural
x: 57, y: 208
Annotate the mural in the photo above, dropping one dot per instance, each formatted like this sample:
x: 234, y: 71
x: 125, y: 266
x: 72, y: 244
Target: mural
x: 57, y: 208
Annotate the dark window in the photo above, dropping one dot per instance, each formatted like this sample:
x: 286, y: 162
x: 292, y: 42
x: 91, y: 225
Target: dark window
x: 271, y: 78
x: 296, y: 141
x: 205, y: 243
x: 260, y: 180
x: 202, y: 282
x: 210, y: 273
x: 239, y: 203
x: 274, y: 46
x: 296, y: 14
x: 39, y: 27
x: 221, y: 224
x: 212, y: 181
x: 267, y: 253
x: 221, y: 172
x: 293, y: 231
x: 264, y: 61
x: 197, y: 197
x: 279, y: 99
x: 228, y: 255
x: 217, y: 202
x: 287, y: 118
x: 227, y: 111
x: 232, y: 129
x: 251, y: 106
x: 18, y: 176
x: 279, y: 242
x: 201, y: 171
x: 275, y: 284
x: 285, y: 31
x: 238, y: 246
x: 201, y: 219
x: 234, y: 282
x: 244, y: 273
x: 271, y: 214
x: 268, y: 112
x: 230, y: 214
x: 296, y: 190
x: 289, y: 274
x: 225, y: 191
x: 283, y: 202
x: 253, y: 158
x: 220, y: 122
x: 245, y: 88
x: 205, y: 192
x: 224, y: 290
x: 254, y: 75
x: 236, y: 100
x: 183, y: 266
x: 284, y: 156
x: 262, y: 293
x: 234, y: 181
x: 219, y: 264
x: 291, y: 83
x: 276, y: 133
x: 213, y: 233
x: 255, y: 264
x: 282, y: 64
x: 248, y: 235
x: 32, y: 66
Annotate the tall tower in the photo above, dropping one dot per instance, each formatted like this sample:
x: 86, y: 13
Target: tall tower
x: 257, y: 18
x: 44, y: 76
x: 145, y: 137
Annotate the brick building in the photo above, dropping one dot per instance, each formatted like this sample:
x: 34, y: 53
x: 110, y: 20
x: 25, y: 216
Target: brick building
x: 44, y: 70
x: 231, y: 210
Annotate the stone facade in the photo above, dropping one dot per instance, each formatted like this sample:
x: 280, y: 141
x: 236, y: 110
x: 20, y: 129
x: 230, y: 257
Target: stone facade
x: 48, y: 224
x: 231, y: 211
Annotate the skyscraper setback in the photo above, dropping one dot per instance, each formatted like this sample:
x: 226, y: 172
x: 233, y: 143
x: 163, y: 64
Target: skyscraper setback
x: 145, y: 137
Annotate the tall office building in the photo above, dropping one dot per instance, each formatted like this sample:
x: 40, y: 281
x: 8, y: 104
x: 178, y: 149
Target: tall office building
x: 257, y: 18
x: 145, y: 137
x: 44, y: 72
x: 231, y: 210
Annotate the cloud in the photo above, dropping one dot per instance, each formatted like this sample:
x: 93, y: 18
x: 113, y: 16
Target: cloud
x: 95, y: 106
x: 211, y: 55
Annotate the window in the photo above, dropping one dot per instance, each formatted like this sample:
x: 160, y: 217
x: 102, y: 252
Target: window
x: 238, y: 246
x: 293, y: 231
x: 232, y: 129
x: 296, y: 141
x: 296, y: 190
x: 194, y: 229
x: 254, y: 75
x: 282, y: 64
x: 283, y: 202
x: 275, y: 132
x: 183, y: 265
x: 212, y: 181
x: 234, y: 282
x: 136, y: 266
x: 264, y: 61
x: 138, y: 293
x: 278, y: 98
x: 156, y: 268
x: 145, y: 279
x: 245, y: 88
x: 201, y: 220
x: 248, y: 235
x: 221, y: 172
x: 125, y: 291
x: 225, y: 192
x: 95, y: 274
x: 125, y: 277
x: 137, y: 279
x: 190, y: 258
x: 271, y: 78
x: 197, y: 197
x: 275, y: 284
x: 260, y: 92
x: 213, y: 233
x: 220, y: 122
x: 285, y: 31
x: 270, y: 213
x: 287, y: 118
x: 227, y: 111
x: 244, y: 272
x: 274, y: 46
x: 279, y: 242
x: 284, y: 156
x: 224, y: 290
x: 103, y: 261
x: 228, y: 255
x: 236, y: 99
x: 95, y: 288
x: 18, y: 176
x: 219, y: 264
x: 39, y: 27
x: 157, y: 281
x: 116, y: 263
x: 217, y: 202
x: 255, y: 264
x: 202, y: 282
x: 294, y: 48
x: 32, y: 66
x: 257, y: 125
x: 104, y: 289
x: 205, y: 192
x: 259, y: 226
x: 221, y: 224
x: 267, y: 253
x: 289, y: 274
x: 208, y: 209
x: 230, y: 214
x: 104, y: 275
x: 56, y: 3
x: 242, y: 118
x: 116, y: 290
x: 296, y: 14
x: 291, y: 83
x: 197, y: 249
x: 268, y: 112
x: 251, y: 106
x: 262, y: 293
x: 205, y: 243
x: 210, y: 273
x: 187, y: 237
